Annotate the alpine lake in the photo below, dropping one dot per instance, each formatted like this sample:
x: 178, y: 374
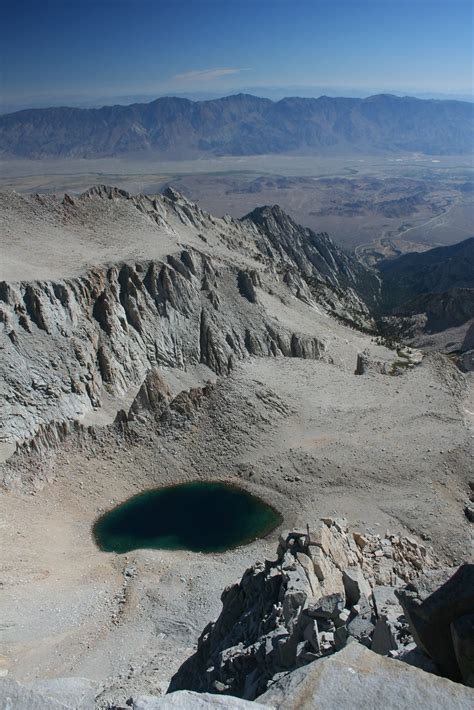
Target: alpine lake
x: 200, y: 516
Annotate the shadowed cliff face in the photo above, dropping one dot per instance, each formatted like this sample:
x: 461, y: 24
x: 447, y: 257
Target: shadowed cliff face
x: 429, y: 293
x: 242, y: 125
x: 435, y: 271
x: 66, y: 342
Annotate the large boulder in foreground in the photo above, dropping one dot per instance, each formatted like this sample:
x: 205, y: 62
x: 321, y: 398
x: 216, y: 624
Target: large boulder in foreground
x: 433, y: 618
x: 359, y: 679
x: 462, y: 632
x: 189, y: 700
x: 72, y: 693
x: 14, y: 696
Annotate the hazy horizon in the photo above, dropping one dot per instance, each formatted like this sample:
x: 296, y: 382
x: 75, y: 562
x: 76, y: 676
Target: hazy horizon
x: 98, y: 52
x: 274, y: 94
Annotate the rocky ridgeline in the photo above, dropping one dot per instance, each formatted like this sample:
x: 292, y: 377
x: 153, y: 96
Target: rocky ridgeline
x: 327, y: 587
x: 64, y: 343
x: 153, y: 405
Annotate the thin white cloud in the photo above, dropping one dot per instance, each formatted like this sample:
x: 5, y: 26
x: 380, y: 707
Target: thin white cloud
x: 207, y: 74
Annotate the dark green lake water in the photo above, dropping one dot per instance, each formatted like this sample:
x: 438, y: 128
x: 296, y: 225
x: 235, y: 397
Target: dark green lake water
x: 198, y: 516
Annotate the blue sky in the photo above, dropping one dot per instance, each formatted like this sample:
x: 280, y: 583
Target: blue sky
x: 73, y: 51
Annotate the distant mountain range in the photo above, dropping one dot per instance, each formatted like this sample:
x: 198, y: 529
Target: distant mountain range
x: 242, y: 125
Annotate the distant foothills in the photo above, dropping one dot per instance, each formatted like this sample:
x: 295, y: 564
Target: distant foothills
x: 177, y: 128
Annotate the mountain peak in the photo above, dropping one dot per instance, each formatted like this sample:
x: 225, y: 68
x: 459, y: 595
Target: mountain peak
x: 172, y: 194
x: 269, y: 216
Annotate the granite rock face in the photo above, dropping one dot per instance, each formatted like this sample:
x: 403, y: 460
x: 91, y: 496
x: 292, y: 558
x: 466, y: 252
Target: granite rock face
x: 66, y: 343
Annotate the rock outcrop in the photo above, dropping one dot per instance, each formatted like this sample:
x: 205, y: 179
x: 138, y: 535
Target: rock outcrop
x: 154, y: 401
x: 407, y: 358
x: 325, y: 588
x: 153, y: 397
x: 66, y: 342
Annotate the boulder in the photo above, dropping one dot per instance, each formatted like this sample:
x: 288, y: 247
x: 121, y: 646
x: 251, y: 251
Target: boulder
x: 462, y: 632
x: 383, y: 638
x: 360, y: 540
x: 189, y: 700
x: 361, y: 628
x: 79, y: 693
x: 342, y: 618
x: 358, y: 679
x: 329, y: 576
x: 311, y: 635
x: 340, y: 637
x: 15, y: 696
x: 355, y: 585
x: 365, y: 363
x: 386, y: 603
x: 430, y: 620
x: 328, y: 607
x: 308, y: 566
x: 363, y: 607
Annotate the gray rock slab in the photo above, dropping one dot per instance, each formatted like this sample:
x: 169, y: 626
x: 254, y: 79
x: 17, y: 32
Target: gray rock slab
x: 360, y: 628
x: 430, y: 620
x: 462, y: 632
x: 327, y: 607
x: 15, y: 696
x: 189, y: 700
x: 79, y: 693
x: 383, y: 639
x: 358, y: 679
x: 386, y: 602
x: 355, y: 585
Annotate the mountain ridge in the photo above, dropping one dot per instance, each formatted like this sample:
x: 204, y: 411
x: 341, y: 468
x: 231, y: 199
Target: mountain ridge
x: 434, y: 271
x: 242, y: 124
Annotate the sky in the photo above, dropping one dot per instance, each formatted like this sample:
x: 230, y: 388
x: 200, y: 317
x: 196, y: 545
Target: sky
x: 89, y: 52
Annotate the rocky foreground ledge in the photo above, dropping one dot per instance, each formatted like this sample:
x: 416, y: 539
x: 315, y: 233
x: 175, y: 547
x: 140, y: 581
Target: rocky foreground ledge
x: 339, y: 620
x: 327, y: 589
